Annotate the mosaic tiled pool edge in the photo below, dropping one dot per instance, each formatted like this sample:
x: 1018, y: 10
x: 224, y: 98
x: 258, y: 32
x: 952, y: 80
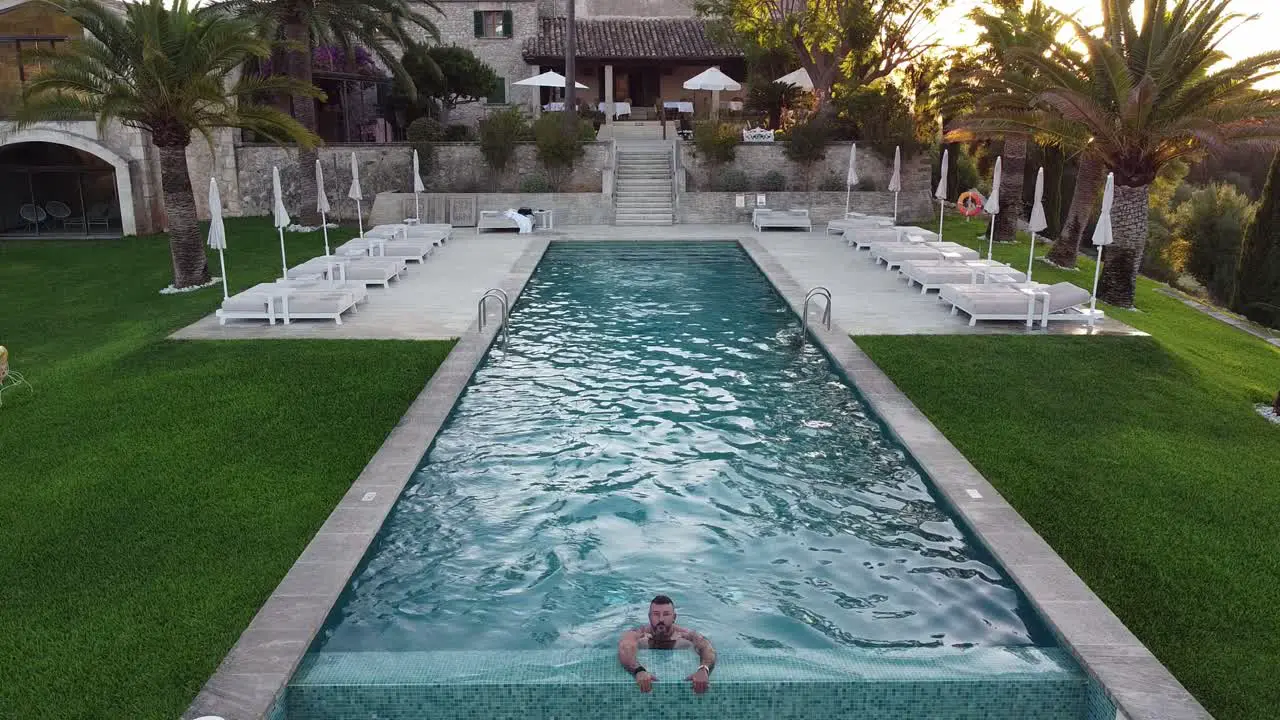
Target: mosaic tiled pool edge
x: 1124, y: 674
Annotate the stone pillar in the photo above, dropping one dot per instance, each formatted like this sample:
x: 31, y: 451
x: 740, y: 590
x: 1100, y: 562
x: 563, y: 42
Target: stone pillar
x: 608, y: 94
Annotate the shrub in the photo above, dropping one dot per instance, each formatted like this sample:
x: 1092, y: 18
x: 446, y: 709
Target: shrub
x: 808, y: 146
x: 771, y: 98
x: 1257, y: 292
x: 558, y: 147
x: 715, y: 142
x: 832, y: 183
x: 1213, y: 222
x: 868, y: 185
x: 421, y: 133
x: 534, y: 184
x: 499, y: 133
x: 773, y: 181
x: 1164, y: 257
x: 457, y: 132
x: 730, y: 181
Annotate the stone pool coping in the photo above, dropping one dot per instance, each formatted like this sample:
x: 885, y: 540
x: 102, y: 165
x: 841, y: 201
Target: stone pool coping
x: 253, y: 676
x: 1133, y: 679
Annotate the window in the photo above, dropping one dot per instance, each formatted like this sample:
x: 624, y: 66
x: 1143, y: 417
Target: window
x: 492, y: 23
x: 499, y: 96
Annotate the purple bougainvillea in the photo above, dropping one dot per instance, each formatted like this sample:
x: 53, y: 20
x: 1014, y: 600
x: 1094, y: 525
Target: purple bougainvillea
x: 331, y: 58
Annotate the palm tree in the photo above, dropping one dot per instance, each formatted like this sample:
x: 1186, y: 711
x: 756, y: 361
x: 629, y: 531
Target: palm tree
x: 1152, y: 94
x: 1090, y: 174
x: 1002, y: 87
x: 382, y: 26
x: 163, y: 70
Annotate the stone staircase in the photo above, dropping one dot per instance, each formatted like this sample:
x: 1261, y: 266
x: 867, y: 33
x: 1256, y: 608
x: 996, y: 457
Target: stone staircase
x: 643, y: 185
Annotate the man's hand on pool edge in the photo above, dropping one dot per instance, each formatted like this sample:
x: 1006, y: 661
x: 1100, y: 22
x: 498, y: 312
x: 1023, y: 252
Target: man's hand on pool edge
x: 700, y: 680
x: 644, y: 679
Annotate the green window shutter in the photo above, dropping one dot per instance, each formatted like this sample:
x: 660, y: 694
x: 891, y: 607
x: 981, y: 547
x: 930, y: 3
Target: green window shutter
x: 478, y: 18
x: 506, y: 23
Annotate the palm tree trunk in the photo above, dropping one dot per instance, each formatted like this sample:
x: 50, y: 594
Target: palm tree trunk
x: 304, y: 111
x: 1015, y: 163
x: 1089, y: 178
x: 190, y: 265
x: 1123, y: 257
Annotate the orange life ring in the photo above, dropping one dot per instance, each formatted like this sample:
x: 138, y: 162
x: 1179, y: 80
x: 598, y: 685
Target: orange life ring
x: 969, y: 203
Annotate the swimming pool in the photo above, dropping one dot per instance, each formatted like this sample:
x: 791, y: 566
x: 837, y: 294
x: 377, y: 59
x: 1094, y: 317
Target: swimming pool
x: 652, y: 428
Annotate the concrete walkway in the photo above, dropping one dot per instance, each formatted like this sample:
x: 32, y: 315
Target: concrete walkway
x: 432, y: 301
x: 437, y: 300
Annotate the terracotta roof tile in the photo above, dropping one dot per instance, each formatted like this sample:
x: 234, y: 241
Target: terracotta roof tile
x: 616, y: 38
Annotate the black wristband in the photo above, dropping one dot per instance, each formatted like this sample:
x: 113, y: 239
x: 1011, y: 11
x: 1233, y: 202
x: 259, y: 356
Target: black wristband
x: 639, y: 669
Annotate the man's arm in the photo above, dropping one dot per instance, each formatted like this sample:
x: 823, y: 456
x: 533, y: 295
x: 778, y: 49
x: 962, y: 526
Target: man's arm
x: 627, y: 646
x: 706, y: 653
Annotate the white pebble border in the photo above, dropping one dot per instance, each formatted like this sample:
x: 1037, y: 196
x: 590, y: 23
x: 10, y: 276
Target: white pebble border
x: 1266, y: 412
x: 171, y: 290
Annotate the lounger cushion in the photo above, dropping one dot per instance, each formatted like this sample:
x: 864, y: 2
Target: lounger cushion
x: 1065, y: 295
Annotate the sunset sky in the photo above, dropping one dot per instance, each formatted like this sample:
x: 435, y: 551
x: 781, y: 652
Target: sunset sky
x: 1260, y: 35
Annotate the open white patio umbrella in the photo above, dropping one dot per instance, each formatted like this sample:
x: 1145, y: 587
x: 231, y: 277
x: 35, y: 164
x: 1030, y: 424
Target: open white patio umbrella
x: 1102, y: 237
x: 851, y: 178
x: 217, y: 230
x: 895, y: 181
x: 715, y: 81
x: 281, y: 218
x: 941, y: 192
x: 322, y: 205
x: 798, y: 78
x: 550, y: 79
x: 1038, y: 221
x: 354, y: 193
x: 992, y: 205
x: 417, y: 187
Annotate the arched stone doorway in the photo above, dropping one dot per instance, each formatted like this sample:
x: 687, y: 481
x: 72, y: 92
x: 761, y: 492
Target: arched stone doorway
x: 63, y: 184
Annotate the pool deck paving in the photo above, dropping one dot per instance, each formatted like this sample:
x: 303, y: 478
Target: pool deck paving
x: 253, y: 676
x: 437, y: 299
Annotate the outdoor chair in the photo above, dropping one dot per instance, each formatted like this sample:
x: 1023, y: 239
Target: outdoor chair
x: 34, y: 215
x: 59, y: 211
x: 99, y: 214
x: 9, y: 378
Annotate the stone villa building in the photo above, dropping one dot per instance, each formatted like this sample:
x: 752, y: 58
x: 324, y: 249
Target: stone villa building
x: 70, y: 179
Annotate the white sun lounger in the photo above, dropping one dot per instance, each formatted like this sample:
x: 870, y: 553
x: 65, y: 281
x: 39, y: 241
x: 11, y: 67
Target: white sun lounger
x: 795, y: 219
x: 911, y: 233
x: 353, y: 268
x: 894, y: 254
x: 438, y: 233
x: 1062, y: 301
x: 855, y: 221
x: 268, y: 301
x: 406, y: 249
x: 933, y: 274
x: 863, y: 238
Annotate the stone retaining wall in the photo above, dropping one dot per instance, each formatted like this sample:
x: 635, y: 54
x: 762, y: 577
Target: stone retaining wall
x: 755, y: 159
x: 570, y: 208
x: 388, y: 168
x: 721, y: 207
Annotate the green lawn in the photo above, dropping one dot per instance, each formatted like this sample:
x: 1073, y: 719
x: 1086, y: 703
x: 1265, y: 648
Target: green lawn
x: 1142, y: 461
x: 153, y: 492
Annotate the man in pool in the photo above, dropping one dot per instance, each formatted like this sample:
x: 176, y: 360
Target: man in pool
x: 662, y: 633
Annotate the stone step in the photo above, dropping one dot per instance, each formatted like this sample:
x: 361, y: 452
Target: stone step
x: 641, y: 182
x: 987, y: 683
x: 643, y: 201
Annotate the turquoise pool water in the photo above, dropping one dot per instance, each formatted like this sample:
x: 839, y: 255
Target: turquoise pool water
x: 651, y: 429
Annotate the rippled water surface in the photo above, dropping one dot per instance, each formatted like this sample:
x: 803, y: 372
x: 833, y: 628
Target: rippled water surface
x: 651, y: 429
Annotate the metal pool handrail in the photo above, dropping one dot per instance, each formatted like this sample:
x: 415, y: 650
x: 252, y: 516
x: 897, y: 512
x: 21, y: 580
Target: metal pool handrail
x: 826, y: 314
x: 505, y: 306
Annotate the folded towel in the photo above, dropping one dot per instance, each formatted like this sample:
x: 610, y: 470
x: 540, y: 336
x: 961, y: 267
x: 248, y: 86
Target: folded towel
x: 523, y: 221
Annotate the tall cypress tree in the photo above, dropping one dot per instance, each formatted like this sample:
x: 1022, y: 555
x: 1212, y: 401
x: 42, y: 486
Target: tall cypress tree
x: 1257, y: 293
